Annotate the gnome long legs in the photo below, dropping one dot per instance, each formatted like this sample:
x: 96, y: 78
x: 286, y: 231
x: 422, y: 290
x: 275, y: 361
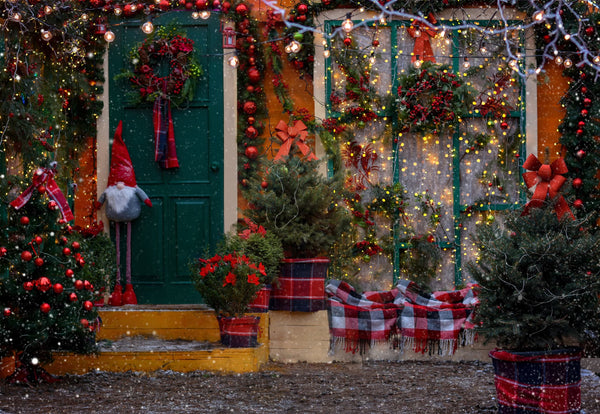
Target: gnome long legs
x: 118, y: 297
x: 123, y: 204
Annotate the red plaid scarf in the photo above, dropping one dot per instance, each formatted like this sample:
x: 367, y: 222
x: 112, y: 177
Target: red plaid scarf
x: 164, y: 135
x: 45, y: 176
x: 440, y: 321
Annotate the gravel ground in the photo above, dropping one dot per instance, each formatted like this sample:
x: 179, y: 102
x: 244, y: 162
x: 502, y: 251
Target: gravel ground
x: 397, y: 387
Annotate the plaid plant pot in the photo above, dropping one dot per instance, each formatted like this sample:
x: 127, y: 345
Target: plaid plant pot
x: 301, y: 286
x: 239, y: 332
x: 538, y: 382
x: 261, y: 302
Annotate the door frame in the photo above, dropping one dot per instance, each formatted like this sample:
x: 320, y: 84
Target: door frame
x: 230, y: 157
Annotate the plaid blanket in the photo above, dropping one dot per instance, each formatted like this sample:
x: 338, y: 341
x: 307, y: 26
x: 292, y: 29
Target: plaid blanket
x: 403, y: 316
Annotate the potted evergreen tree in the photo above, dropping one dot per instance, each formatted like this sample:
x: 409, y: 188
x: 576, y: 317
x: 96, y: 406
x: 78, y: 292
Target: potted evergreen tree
x: 303, y: 208
x: 539, y: 275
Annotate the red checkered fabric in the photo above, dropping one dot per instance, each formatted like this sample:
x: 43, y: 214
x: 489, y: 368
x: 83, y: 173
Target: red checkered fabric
x: 239, y: 332
x: 165, y: 152
x: 403, y: 314
x: 528, y: 382
x: 261, y: 302
x: 301, y: 286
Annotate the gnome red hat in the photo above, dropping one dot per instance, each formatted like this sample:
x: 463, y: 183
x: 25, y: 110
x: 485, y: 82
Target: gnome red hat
x: 121, y: 168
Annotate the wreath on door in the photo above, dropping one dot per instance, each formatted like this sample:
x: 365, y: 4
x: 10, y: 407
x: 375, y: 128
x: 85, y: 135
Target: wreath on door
x: 165, y: 71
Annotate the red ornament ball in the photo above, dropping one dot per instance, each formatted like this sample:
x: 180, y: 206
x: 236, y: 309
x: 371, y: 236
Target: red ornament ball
x: 28, y: 285
x: 58, y: 288
x: 164, y: 5
x: 3, y: 251
x: 251, y: 132
x: 249, y: 107
x: 7, y: 312
x: 589, y: 30
x: 63, y: 240
x: 75, y: 245
x: 348, y: 41
x: 375, y: 43
x: 577, y: 183
x: 580, y: 154
x: 66, y: 251
x: 80, y: 262
x: 579, y: 132
x: 26, y: 255
x: 69, y: 273
x: 44, y: 307
x: 578, y: 203
x: 264, y: 184
x: 78, y: 284
x: 584, y: 112
x: 253, y: 75
x: 241, y: 9
x: 201, y: 4
x: 587, y: 101
x: 24, y: 220
x: 85, y: 323
x: 584, y: 89
x: 73, y: 297
x: 38, y: 240
x: 251, y: 152
x: 87, y: 285
x: 430, y: 238
x: 504, y: 125
x: 251, y: 120
x: 43, y: 284
x: 216, y: 4
x: 302, y: 8
x: 244, y: 182
x: 87, y: 305
x: 52, y: 205
x: 41, y: 189
x: 581, y: 124
x: 39, y: 262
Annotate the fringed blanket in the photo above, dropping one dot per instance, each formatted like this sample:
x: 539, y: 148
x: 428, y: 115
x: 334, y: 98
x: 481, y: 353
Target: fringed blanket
x: 404, y: 317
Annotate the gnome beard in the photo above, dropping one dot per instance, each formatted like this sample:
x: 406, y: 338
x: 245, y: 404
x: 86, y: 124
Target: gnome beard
x: 122, y: 202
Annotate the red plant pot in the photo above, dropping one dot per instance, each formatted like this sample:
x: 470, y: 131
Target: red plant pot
x: 301, y: 285
x: 261, y: 302
x: 538, y: 381
x: 239, y: 332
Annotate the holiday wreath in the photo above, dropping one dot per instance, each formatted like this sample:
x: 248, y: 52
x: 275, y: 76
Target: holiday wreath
x: 166, y: 46
x: 431, y: 98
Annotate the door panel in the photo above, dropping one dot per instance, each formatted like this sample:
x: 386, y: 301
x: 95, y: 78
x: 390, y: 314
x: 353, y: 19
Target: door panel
x: 187, y: 212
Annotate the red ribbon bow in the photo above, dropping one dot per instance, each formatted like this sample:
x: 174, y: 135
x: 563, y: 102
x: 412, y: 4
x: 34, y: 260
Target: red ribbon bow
x: 422, y: 48
x: 547, y: 180
x: 290, y: 134
x: 45, y: 176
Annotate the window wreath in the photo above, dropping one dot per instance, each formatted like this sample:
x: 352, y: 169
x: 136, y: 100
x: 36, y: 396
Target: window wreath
x: 431, y: 99
x: 165, y: 47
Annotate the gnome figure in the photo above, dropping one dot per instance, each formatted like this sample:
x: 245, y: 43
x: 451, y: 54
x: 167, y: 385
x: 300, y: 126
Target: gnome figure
x: 123, y: 204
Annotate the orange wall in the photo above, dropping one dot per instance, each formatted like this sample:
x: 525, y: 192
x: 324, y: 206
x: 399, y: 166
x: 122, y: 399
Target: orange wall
x: 550, y: 112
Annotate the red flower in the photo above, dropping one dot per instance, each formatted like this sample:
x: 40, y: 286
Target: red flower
x: 253, y: 279
x: 261, y: 269
x: 230, y: 279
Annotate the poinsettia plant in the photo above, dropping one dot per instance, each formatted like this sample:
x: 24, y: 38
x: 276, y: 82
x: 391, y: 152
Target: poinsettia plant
x: 228, y: 283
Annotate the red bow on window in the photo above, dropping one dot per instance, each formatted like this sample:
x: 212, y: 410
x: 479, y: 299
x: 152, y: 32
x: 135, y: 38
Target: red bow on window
x: 290, y: 134
x: 547, y: 180
x: 422, y: 32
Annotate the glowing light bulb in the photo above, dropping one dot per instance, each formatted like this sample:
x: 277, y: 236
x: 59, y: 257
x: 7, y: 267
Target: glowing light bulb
x: 47, y: 9
x: 287, y: 49
x: 16, y: 17
x: 195, y: 15
x: 295, y: 46
x: 418, y: 63
x: 466, y: 63
x: 417, y: 33
x: 597, y: 60
x: 118, y: 11
x: 109, y: 36
x: 204, y: 14
x: 538, y: 16
x: 568, y: 63
x: 148, y: 27
x: 558, y: 60
x: 326, y: 53
x: 567, y: 36
x: 347, y: 25
x: 46, y: 35
x: 233, y: 61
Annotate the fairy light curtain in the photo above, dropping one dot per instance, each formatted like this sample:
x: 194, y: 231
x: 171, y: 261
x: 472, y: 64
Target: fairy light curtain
x: 464, y: 174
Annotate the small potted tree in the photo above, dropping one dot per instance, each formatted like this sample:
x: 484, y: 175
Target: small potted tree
x: 228, y: 283
x: 539, y: 275
x: 303, y: 208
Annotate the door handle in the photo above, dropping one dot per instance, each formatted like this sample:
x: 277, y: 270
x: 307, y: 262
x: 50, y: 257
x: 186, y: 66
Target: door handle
x: 215, y: 166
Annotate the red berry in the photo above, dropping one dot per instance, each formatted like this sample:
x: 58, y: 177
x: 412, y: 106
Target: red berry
x: 7, y: 312
x: 78, y: 284
x: 39, y: 261
x: 26, y: 255
x: 85, y: 323
x: 66, y: 251
x: 87, y: 305
x: 577, y: 183
x: 69, y: 273
x: 578, y: 203
x: 38, y: 240
x: 58, y: 288
x: 3, y: 251
x: 24, y: 220
x: 75, y: 245
x: 44, y: 307
x: 41, y: 189
x: 73, y: 297
x: 28, y: 285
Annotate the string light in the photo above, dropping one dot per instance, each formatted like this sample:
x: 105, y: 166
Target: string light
x: 46, y: 35
x: 466, y: 63
x: 295, y: 46
x: 558, y: 60
x: 233, y: 61
x: 118, y: 11
x: 47, y: 9
x: 109, y: 36
x: 538, y: 16
x: 326, y: 53
x: 195, y: 15
x: 16, y: 17
x: 347, y: 25
x: 597, y: 60
x: 204, y: 14
x: 148, y: 27
x: 568, y: 63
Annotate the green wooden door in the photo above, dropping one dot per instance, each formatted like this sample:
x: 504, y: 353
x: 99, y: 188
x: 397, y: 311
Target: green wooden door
x: 187, y: 212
